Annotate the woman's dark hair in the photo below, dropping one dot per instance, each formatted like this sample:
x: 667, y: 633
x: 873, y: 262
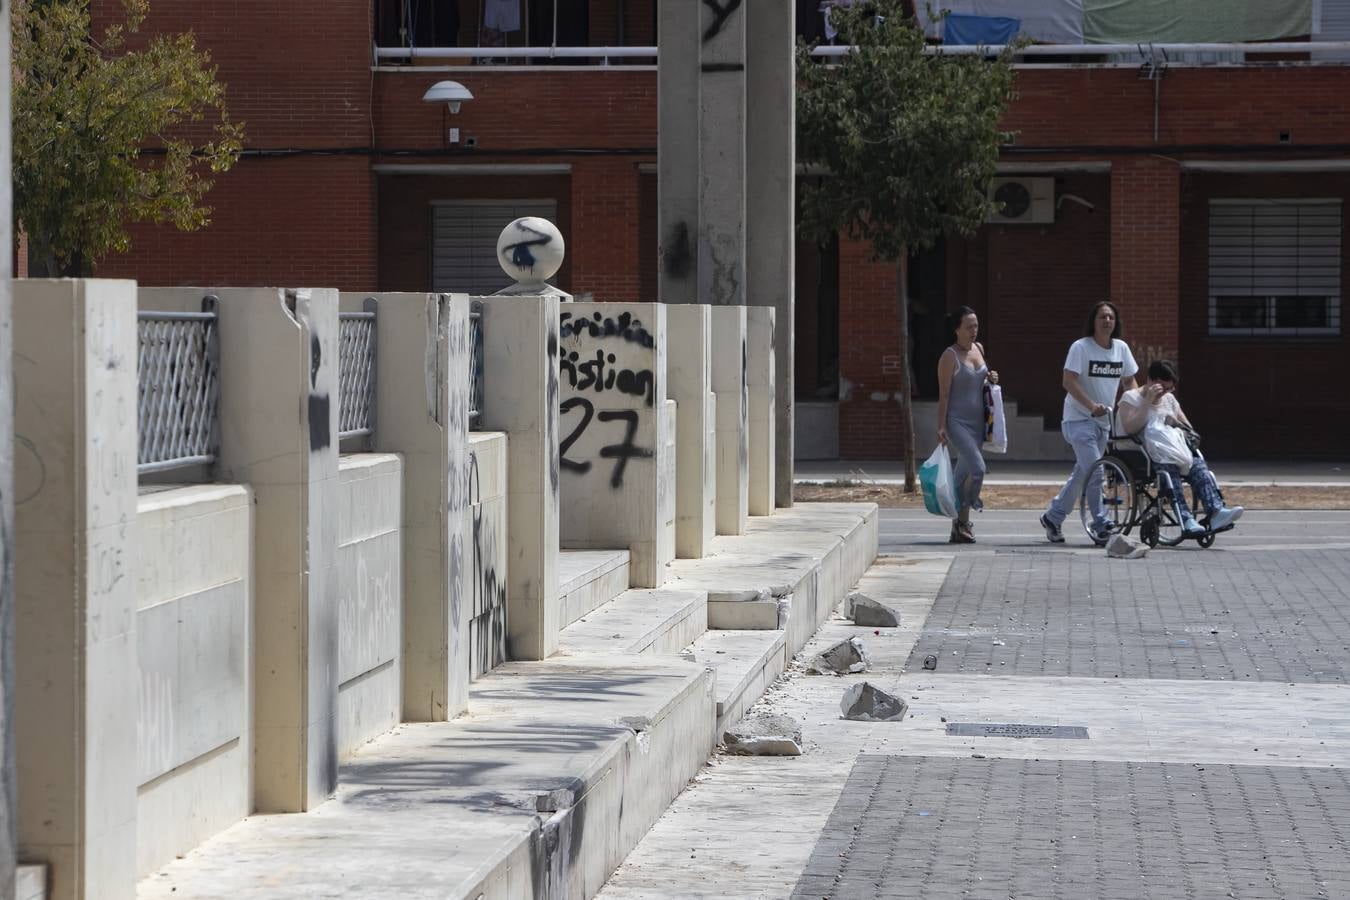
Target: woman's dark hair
x: 1090, y: 328
x: 1163, y: 370
x: 956, y: 317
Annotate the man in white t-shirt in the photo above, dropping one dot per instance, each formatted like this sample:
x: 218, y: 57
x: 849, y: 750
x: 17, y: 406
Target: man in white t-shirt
x: 1156, y: 402
x: 1097, y: 366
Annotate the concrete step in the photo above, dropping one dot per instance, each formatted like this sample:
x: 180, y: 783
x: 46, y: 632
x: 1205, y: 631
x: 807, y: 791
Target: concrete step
x: 746, y: 663
x: 640, y: 621
x: 588, y: 579
x: 551, y: 778
x: 30, y: 881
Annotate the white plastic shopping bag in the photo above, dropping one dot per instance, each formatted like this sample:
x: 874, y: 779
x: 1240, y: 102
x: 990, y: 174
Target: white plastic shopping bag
x: 1167, y: 445
x: 939, y: 490
x: 995, y: 425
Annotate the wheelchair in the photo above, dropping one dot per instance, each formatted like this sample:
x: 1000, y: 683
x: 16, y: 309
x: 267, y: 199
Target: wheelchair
x: 1133, y: 496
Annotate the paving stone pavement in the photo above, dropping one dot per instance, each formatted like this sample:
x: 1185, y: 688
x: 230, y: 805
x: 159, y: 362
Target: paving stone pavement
x: 917, y: 826
x: 1212, y: 686
x: 1257, y: 615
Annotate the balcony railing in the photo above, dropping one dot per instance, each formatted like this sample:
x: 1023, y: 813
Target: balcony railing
x: 179, y: 392
x: 356, y: 371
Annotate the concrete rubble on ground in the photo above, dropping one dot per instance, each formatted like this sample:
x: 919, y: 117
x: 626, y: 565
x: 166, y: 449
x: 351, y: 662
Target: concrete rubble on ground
x: 863, y: 610
x: 1122, y: 547
x: 765, y: 734
x: 844, y: 658
x: 864, y: 702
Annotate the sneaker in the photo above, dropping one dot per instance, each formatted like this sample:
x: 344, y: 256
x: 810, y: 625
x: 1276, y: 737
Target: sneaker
x: 1224, y: 517
x: 1191, y: 528
x: 1102, y: 531
x: 1052, y: 532
x: 961, y: 534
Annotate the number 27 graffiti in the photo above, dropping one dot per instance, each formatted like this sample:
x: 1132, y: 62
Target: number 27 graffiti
x: 621, y: 452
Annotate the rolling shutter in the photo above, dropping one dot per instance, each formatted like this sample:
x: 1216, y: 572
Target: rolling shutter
x: 464, y: 241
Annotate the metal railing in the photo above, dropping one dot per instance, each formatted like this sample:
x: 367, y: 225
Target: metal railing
x: 356, y: 371
x: 476, y: 381
x: 178, y: 369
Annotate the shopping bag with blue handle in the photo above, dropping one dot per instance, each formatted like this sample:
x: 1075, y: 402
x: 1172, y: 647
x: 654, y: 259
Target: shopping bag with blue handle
x: 939, y: 490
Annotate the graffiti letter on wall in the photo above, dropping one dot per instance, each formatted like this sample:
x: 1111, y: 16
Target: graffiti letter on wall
x: 587, y: 410
x: 625, y: 449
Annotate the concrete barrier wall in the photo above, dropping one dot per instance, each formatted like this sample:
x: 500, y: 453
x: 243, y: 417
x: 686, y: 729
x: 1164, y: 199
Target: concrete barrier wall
x: 761, y: 415
x: 488, y: 551
x: 370, y: 597
x: 194, y: 605
x: 612, y: 389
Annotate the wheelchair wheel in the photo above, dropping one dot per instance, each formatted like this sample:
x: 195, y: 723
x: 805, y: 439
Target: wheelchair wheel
x: 1206, y: 541
x: 1111, y: 479
x: 1148, y: 530
x: 1169, y: 526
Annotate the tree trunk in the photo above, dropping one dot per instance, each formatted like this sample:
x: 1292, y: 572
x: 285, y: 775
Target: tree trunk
x: 906, y: 404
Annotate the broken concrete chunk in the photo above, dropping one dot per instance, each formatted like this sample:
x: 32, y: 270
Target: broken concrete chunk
x: 765, y: 734
x: 863, y: 610
x: 1122, y: 547
x: 864, y: 702
x: 844, y: 658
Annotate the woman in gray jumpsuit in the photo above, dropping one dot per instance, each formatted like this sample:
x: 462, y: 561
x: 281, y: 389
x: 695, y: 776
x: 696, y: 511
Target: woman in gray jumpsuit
x: 962, y: 372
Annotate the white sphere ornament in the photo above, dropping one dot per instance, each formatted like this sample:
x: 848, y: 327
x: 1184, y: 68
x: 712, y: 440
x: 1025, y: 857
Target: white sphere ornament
x: 530, y: 250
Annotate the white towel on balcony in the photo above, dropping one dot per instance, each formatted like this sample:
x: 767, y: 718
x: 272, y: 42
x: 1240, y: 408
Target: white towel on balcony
x: 1047, y: 21
x: 501, y: 15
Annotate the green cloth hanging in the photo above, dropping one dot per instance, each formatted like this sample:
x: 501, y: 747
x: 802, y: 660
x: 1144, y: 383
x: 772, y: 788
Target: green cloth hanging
x: 1194, y: 21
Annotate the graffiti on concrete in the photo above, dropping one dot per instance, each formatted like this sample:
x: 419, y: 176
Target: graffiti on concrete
x: 720, y: 14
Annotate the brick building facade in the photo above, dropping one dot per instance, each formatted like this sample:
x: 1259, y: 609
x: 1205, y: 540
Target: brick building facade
x: 348, y: 165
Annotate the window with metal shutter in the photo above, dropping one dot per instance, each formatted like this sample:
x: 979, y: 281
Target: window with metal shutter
x: 1275, y: 267
x: 464, y: 241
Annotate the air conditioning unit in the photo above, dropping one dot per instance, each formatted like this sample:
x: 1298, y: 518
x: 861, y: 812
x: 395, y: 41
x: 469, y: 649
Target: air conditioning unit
x: 1023, y: 201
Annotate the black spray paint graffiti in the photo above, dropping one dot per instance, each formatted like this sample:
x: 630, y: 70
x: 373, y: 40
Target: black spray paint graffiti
x: 720, y: 15
x: 521, y: 256
x: 621, y: 452
x: 677, y: 255
x: 592, y: 375
x: 488, y: 625
x: 551, y: 395
x: 598, y: 326
x: 320, y: 409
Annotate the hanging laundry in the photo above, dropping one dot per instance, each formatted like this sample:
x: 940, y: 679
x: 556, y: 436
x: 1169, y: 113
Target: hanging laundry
x: 501, y: 15
x: 1195, y: 21
x: 987, y: 30
x: 1043, y: 21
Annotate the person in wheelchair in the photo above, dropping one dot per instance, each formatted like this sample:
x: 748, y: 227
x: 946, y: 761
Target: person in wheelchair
x: 1153, y: 407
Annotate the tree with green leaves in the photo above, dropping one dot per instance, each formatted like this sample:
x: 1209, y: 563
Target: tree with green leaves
x: 106, y: 133
x: 907, y: 139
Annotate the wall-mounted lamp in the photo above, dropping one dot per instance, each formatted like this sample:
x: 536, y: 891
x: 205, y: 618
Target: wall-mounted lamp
x: 451, y: 93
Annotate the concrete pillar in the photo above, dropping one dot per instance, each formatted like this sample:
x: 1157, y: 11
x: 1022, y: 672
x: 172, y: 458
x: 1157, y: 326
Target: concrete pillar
x: 677, y: 103
x: 278, y: 427
x: 520, y: 397
x: 733, y: 430
x: 616, y: 448
x: 759, y: 378
x: 770, y: 221
x: 721, y: 160
x: 8, y: 854
x: 422, y: 412
x: 689, y: 383
x: 75, y: 479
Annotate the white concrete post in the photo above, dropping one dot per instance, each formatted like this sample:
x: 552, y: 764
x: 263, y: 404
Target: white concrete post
x: 520, y: 378
x: 677, y: 177
x: 616, y: 446
x: 75, y: 480
x: 689, y: 382
x: 721, y: 159
x: 8, y: 854
x: 422, y: 412
x: 278, y: 426
x: 733, y: 428
x: 770, y: 222
x: 759, y: 376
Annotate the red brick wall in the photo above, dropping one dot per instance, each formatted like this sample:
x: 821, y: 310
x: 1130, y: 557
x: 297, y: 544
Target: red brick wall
x: 1259, y: 396
x: 1145, y: 258
x: 605, y: 217
x: 869, y: 341
x: 300, y: 221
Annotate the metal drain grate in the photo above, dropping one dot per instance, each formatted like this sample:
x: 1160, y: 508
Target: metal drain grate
x: 997, y: 729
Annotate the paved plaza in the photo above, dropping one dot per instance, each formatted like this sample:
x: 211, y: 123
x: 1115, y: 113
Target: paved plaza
x: 1187, y: 730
